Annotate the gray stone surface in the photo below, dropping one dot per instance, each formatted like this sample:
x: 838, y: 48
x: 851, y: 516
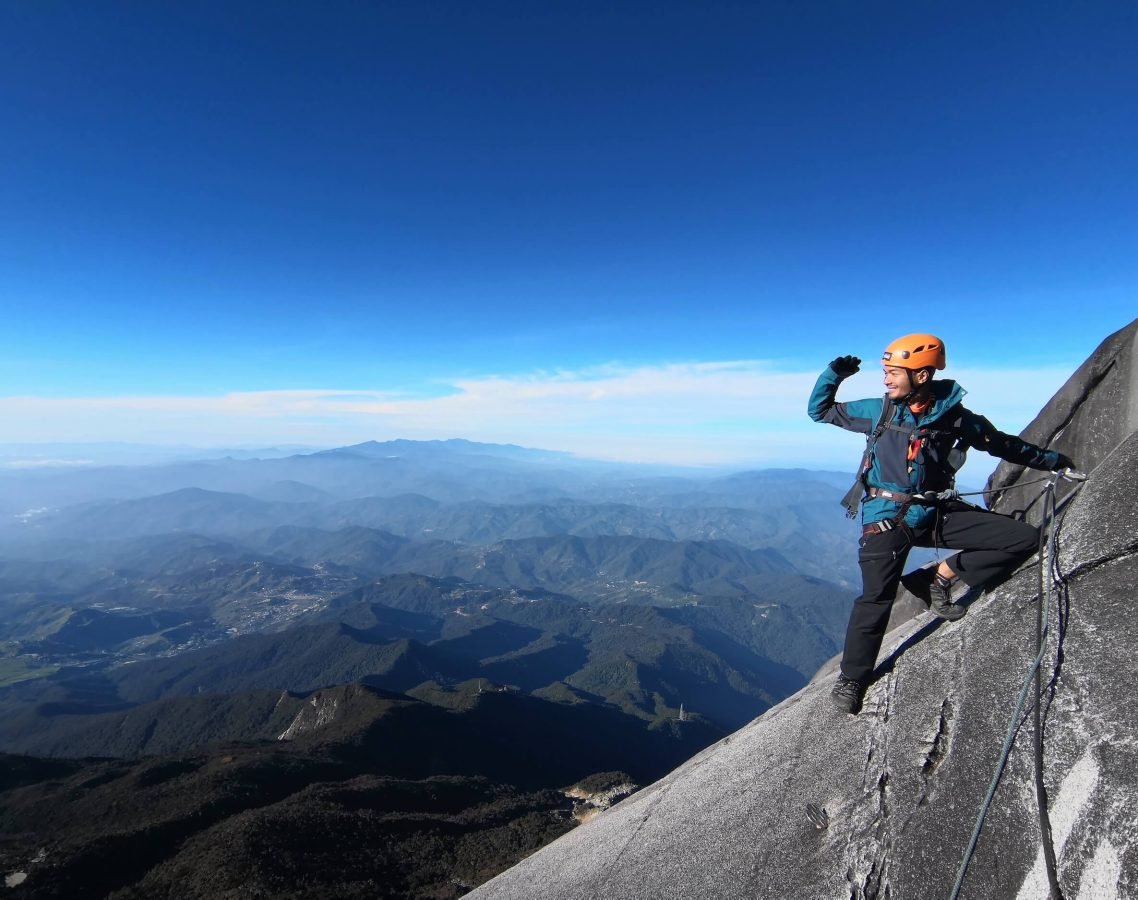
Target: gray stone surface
x: 1090, y: 415
x: 902, y: 783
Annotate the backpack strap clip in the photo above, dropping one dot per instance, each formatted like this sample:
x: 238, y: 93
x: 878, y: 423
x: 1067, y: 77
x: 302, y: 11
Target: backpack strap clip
x: 852, y: 500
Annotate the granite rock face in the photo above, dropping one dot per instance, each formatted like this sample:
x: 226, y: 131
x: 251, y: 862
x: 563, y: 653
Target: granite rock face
x: 806, y: 802
x: 1087, y: 419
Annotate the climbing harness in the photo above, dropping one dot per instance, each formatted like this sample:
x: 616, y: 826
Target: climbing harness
x: 1046, y: 534
x: 918, y: 435
x: 883, y: 526
x: 922, y: 497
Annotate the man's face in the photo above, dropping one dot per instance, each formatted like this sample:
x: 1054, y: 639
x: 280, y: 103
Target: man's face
x: 897, y: 384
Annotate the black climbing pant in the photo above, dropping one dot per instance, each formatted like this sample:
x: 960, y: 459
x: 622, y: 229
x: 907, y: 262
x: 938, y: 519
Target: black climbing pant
x: 991, y: 545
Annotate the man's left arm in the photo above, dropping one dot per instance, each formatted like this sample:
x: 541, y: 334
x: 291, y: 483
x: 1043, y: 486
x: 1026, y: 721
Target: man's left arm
x: 983, y: 435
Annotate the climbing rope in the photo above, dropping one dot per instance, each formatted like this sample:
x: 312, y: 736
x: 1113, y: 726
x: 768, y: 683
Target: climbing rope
x: 1050, y: 479
x: 1046, y: 579
x: 1043, y: 614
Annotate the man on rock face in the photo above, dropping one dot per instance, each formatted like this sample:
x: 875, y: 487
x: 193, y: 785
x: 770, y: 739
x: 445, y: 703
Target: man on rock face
x: 919, y: 433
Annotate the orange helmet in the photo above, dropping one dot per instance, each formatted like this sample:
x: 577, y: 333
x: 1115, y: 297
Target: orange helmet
x: 915, y: 351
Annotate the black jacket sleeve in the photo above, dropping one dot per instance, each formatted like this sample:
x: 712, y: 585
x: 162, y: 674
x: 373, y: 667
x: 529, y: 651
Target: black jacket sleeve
x: 983, y: 435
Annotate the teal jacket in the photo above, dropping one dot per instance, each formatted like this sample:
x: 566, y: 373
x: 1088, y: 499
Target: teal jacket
x: 917, y: 454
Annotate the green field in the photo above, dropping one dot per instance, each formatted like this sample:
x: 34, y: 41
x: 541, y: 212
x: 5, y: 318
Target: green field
x: 15, y: 669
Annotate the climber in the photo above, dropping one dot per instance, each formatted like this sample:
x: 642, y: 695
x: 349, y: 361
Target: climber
x: 918, y: 433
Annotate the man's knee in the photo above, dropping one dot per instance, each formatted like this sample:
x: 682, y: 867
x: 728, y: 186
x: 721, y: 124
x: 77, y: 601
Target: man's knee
x: 1024, y: 540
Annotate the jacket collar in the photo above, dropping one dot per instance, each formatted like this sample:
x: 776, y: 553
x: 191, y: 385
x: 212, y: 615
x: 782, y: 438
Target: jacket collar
x: 946, y: 394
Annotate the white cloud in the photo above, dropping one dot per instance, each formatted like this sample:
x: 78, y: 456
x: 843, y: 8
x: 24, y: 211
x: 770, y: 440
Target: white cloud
x: 45, y: 463
x: 727, y: 412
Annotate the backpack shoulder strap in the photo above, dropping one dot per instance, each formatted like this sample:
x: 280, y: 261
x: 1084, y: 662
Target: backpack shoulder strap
x: 852, y: 500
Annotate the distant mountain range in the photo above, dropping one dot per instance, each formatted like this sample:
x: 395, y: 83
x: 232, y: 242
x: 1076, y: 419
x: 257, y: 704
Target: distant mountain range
x: 726, y: 658
x: 418, y: 641
x: 178, y: 579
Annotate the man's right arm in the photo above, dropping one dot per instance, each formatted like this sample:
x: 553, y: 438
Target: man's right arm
x: 857, y: 415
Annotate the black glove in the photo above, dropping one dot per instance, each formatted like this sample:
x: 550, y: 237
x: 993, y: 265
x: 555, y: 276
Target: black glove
x: 845, y: 366
x: 1065, y: 462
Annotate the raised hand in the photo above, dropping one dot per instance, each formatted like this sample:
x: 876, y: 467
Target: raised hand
x: 845, y: 366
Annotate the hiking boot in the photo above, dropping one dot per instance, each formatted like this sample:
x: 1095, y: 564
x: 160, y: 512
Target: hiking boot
x: 847, y: 693
x: 935, y: 591
x: 918, y: 583
x: 940, y: 599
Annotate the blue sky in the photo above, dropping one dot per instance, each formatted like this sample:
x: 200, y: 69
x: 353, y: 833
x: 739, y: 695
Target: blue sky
x: 631, y: 230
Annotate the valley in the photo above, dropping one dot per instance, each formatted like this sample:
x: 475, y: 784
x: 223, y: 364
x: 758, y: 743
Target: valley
x: 347, y: 621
